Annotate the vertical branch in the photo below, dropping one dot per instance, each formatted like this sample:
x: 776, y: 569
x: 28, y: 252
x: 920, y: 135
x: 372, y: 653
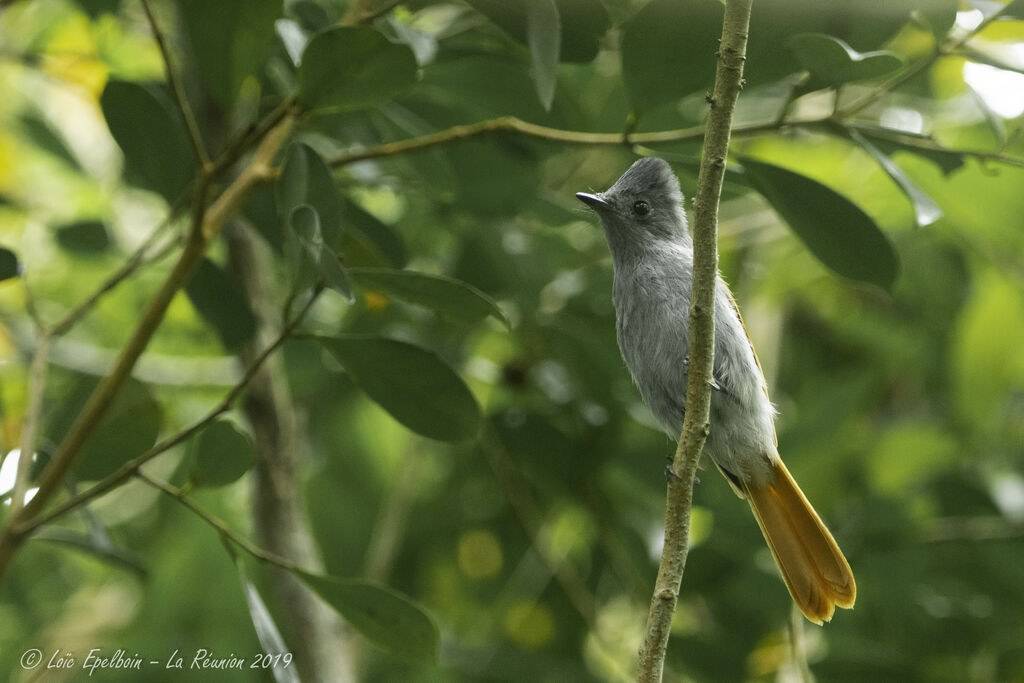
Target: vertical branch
x: 27, y: 445
x: 728, y: 83
x: 279, y: 516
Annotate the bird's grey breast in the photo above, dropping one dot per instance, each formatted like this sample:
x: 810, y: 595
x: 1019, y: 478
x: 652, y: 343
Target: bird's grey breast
x: 652, y: 302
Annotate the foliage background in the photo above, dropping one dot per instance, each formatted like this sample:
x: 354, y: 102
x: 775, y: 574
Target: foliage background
x: 534, y: 543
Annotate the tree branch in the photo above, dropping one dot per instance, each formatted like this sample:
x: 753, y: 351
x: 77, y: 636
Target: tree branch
x: 728, y: 83
x: 941, y: 50
x: 128, y: 470
x: 206, y: 226
x: 279, y: 516
x: 194, y: 136
x: 182, y: 497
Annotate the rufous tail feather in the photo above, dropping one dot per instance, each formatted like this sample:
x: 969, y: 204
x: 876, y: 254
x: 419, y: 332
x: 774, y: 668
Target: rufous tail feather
x: 812, y: 565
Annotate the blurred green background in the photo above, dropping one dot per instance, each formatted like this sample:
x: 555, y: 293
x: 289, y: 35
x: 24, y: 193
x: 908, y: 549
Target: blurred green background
x: 894, y: 348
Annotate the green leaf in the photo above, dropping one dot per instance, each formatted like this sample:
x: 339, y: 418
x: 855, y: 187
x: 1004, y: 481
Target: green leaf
x: 85, y: 237
x: 651, y: 41
x: 306, y: 179
x: 926, y: 211
x: 354, y: 67
x: 305, y: 223
x: 543, y: 35
x: 940, y: 15
x: 220, y: 454
x: 130, y: 426
x: 46, y: 137
x: 301, y: 260
x: 99, y: 547
x: 334, y: 275
x: 380, y: 238
x: 443, y: 294
x: 231, y: 40
x: 833, y: 228
x: 267, y: 632
x: 219, y: 299
x: 889, y: 141
x: 831, y: 62
x: 157, y: 154
x: 995, y: 122
x: 8, y: 264
x: 411, y: 383
x: 383, y: 616
x: 583, y: 23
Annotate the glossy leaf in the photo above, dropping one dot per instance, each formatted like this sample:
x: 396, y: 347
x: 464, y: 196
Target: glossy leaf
x: 8, y: 264
x: 582, y: 24
x: 231, y: 40
x: 651, y: 40
x: 444, y: 295
x: 301, y: 260
x: 926, y: 211
x: 353, y: 67
x: 833, y: 228
x: 940, y: 15
x: 130, y: 426
x: 84, y: 237
x: 306, y: 179
x: 267, y: 632
x: 832, y: 63
x: 411, y: 383
x: 383, y: 616
x: 380, y: 238
x: 925, y: 146
x: 305, y: 223
x: 149, y: 131
x: 220, y: 454
x: 219, y: 299
x: 543, y: 35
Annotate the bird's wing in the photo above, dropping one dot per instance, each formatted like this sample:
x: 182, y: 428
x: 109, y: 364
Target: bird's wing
x: 757, y: 361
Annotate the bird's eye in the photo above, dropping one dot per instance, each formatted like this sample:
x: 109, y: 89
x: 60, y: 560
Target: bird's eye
x: 641, y: 208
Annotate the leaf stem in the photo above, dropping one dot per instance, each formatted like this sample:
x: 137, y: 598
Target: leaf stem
x: 728, y: 83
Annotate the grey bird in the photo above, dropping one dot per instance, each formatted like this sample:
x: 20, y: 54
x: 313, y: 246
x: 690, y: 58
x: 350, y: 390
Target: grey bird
x: 652, y: 257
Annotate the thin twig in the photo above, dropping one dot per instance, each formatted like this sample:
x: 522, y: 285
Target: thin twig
x: 194, y: 136
x: 941, y: 50
x: 511, y: 124
x: 137, y: 260
x: 128, y: 469
x: 728, y: 83
x: 225, y: 531
x: 927, y: 144
x: 207, y: 225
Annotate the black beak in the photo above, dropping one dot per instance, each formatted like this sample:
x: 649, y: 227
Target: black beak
x: 594, y: 201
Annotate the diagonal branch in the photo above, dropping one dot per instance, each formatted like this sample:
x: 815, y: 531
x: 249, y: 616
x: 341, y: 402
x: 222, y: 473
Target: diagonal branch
x: 130, y: 468
x: 207, y: 224
x: 728, y: 83
x: 194, y: 136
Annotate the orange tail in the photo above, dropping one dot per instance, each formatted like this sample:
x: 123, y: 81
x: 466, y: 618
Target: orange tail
x: 812, y: 565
